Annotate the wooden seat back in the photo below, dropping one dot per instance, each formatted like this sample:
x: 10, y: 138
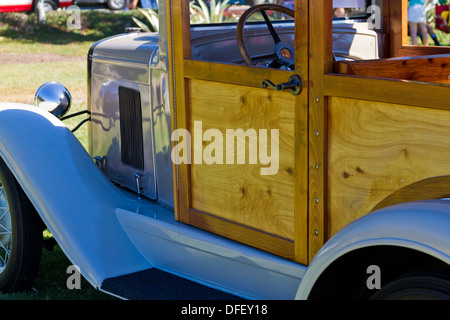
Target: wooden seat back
x: 432, y: 68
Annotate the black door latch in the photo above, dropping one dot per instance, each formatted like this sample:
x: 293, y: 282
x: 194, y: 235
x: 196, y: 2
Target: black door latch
x: 294, y: 85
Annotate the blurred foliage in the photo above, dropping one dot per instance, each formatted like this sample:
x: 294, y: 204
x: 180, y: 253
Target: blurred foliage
x: 152, y: 18
x: 95, y: 25
x: 212, y: 13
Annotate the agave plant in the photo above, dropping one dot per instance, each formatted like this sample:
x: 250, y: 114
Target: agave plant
x: 152, y: 18
x: 202, y: 13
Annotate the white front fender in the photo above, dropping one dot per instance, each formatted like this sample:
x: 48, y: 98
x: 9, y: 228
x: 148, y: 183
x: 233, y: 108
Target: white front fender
x: 72, y: 196
x: 423, y: 226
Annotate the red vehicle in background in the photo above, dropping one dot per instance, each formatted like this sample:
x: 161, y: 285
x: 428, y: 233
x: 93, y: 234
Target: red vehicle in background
x: 30, y: 5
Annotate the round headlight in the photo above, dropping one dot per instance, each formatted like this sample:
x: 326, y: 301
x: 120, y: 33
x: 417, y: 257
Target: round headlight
x: 54, y: 98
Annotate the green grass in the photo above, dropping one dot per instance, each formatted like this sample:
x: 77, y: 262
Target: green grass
x: 63, y: 51
x: 50, y: 283
x: 443, y: 38
x: 28, y: 77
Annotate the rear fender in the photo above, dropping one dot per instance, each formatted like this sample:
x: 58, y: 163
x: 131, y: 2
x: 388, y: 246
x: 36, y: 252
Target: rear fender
x: 422, y: 226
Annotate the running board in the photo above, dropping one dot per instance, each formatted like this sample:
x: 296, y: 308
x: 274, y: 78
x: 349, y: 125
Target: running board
x: 155, y: 284
x: 205, y: 258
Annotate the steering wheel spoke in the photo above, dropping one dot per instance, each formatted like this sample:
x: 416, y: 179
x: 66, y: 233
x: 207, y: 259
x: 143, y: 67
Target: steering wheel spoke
x: 272, y: 30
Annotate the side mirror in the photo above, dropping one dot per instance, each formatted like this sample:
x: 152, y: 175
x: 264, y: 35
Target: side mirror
x: 54, y: 98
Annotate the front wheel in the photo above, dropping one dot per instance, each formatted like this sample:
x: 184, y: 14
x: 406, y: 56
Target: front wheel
x: 20, y: 235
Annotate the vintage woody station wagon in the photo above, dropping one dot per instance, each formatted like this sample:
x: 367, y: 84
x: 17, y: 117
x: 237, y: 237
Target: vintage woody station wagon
x: 286, y: 155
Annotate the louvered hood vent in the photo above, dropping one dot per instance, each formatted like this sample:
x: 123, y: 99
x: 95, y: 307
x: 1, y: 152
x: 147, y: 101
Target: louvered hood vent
x: 131, y: 135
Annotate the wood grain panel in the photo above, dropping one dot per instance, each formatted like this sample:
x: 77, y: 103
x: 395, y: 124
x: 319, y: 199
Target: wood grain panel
x: 376, y: 149
x: 320, y: 59
x: 238, y: 192
x: 398, y: 26
x: 225, y: 72
x: 302, y: 132
x: 413, y: 51
x: 178, y: 51
x: 241, y: 233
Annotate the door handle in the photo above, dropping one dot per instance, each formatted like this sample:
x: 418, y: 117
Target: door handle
x: 294, y: 85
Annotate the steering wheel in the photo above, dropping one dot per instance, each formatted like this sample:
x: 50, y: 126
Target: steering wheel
x: 283, y: 54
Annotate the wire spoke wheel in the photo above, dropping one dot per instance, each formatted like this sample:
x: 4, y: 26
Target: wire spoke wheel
x: 5, y: 230
x: 20, y: 235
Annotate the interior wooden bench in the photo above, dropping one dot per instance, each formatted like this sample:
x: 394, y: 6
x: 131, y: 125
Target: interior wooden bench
x: 430, y: 68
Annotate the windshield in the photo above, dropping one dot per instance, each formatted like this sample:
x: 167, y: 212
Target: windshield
x: 229, y: 11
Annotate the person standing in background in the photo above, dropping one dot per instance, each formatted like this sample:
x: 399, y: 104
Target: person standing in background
x: 417, y: 21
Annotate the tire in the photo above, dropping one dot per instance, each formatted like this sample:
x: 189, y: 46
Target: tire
x: 20, y: 235
x: 418, y: 286
x: 50, y: 5
x: 116, y: 4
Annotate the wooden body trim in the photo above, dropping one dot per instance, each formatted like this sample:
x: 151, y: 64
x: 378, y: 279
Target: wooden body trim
x: 322, y: 90
x: 320, y: 59
x: 232, y: 230
x: 226, y: 73
x: 428, y: 95
x: 433, y: 68
x: 326, y: 86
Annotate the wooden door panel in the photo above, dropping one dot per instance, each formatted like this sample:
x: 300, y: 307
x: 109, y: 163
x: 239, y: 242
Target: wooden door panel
x: 235, y: 200
x: 239, y: 192
x: 376, y: 149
